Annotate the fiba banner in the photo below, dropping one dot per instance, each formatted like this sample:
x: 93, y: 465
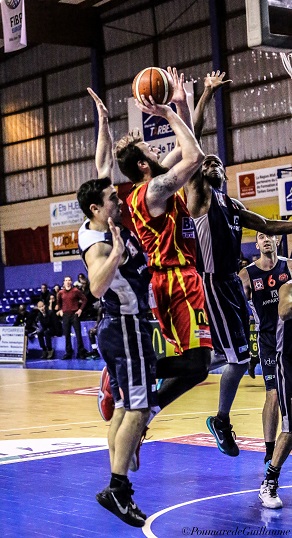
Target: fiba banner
x: 155, y: 130
x: 14, y: 28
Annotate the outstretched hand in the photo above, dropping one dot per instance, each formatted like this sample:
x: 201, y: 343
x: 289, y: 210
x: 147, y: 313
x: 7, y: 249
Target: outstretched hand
x: 179, y: 94
x: 118, y: 243
x: 150, y: 107
x: 215, y: 80
x: 101, y: 108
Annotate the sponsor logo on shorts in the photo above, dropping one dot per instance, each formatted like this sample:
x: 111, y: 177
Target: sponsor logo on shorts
x: 270, y: 362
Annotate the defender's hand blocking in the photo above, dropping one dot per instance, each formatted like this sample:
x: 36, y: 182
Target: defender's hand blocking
x: 215, y: 80
x: 118, y: 243
x: 101, y: 108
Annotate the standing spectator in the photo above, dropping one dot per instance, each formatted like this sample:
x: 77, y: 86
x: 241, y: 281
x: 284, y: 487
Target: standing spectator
x: 83, y: 285
x: 71, y: 303
x: 45, y: 294
x: 46, y: 329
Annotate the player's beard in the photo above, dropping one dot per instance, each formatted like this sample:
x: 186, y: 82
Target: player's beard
x: 156, y: 168
x: 216, y: 181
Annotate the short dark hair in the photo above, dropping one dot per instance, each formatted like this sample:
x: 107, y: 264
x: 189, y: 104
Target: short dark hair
x: 91, y: 192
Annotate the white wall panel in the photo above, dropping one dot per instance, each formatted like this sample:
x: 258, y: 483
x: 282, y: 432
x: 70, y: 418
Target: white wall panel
x: 21, y: 95
x: 209, y: 144
x: 192, y: 46
x: 239, y: 38
x: 73, y: 80
x: 127, y: 64
x: 260, y: 102
x: 173, y: 15
x: 264, y: 140
x: 234, y: 5
x: 24, y: 155
x: 128, y: 30
x: 40, y: 58
x: 72, y: 145
x: 22, y: 126
x: 252, y: 66
x: 75, y: 112
x: 117, y: 100
x: 26, y: 186
x: 69, y: 177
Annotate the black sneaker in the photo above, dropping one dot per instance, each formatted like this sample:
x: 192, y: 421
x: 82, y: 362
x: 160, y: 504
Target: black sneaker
x: 224, y: 436
x: 126, y: 510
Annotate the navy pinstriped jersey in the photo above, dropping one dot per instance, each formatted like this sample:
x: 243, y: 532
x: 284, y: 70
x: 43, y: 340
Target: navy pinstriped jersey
x: 218, y: 237
x: 284, y: 340
x: 128, y: 292
x: 265, y: 292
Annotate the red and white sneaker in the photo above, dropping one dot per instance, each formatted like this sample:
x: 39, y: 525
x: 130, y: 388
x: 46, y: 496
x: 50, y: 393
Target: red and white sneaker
x: 135, y: 461
x: 105, y: 401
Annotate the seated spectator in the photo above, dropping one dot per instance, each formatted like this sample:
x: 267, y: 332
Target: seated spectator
x: 82, y: 283
x: 46, y: 328
x: 56, y: 289
x: 52, y: 302
x: 45, y: 294
x: 26, y: 319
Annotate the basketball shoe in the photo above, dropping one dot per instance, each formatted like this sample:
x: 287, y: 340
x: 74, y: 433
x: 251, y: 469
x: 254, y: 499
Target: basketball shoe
x: 105, y: 401
x: 224, y: 436
x: 268, y: 494
x: 119, y: 501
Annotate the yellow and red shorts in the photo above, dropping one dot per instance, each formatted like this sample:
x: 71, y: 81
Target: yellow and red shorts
x: 180, y: 307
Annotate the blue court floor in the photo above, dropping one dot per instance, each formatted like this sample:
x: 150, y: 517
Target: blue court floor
x: 185, y: 490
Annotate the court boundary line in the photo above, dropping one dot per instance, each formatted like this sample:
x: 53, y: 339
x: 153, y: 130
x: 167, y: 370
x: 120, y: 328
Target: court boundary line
x: 147, y: 527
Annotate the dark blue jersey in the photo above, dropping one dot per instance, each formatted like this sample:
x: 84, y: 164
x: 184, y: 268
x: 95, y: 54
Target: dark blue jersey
x: 128, y: 292
x: 265, y: 292
x: 218, y: 237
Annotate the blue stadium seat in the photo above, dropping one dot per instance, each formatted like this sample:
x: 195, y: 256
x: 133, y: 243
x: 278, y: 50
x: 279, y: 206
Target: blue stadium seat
x: 10, y: 319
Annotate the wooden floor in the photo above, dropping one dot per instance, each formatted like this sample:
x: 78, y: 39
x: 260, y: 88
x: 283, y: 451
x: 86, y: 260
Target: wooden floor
x: 56, y: 403
x: 54, y: 459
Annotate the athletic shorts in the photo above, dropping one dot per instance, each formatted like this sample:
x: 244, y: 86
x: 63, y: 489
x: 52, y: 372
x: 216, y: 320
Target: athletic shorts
x: 228, y: 316
x: 180, y: 308
x: 125, y: 343
x: 284, y: 389
x: 267, y: 354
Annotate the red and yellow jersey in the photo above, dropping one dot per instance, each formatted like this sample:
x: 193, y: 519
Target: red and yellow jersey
x: 169, y: 240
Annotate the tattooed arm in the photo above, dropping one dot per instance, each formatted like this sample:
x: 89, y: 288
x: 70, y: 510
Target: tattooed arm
x: 163, y: 186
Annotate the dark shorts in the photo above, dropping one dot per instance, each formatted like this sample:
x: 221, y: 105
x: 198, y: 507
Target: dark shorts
x: 267, y: 353
x: 228, y: 316
x: 125, y: 343
x: 284, y: 389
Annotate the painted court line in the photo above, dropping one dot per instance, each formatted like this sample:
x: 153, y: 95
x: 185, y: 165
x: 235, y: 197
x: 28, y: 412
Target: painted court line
x: 147, y: 527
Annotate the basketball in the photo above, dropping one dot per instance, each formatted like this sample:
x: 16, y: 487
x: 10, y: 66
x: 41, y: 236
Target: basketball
x: 153, y: 81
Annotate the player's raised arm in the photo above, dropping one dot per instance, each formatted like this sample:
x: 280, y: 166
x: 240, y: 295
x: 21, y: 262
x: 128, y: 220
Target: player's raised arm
x: 161, y: 187
x: 104, y: 148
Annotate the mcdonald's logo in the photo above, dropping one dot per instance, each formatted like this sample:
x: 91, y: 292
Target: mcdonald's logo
x: 201, y: 317
x: 157, y: 341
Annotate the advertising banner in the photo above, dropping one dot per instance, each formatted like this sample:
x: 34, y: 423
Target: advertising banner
x: 12, y: 344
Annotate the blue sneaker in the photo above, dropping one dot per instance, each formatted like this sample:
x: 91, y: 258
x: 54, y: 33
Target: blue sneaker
x: 224, y: 437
